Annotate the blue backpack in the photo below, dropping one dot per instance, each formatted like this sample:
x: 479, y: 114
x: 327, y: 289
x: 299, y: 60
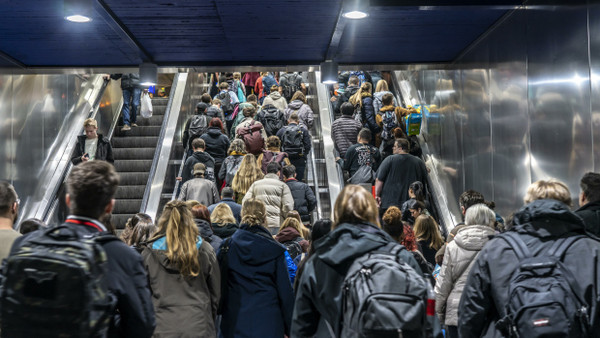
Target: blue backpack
x: 268, y: 81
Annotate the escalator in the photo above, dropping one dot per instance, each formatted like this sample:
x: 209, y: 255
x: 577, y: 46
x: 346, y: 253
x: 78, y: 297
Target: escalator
x: 405, y: 96
x: 133, y: 152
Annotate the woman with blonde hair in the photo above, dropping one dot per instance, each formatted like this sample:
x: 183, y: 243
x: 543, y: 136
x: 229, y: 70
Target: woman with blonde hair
x: 231, y: 164
x: 362, y: 100
x: 355, y: 232
x: 381, y: 89
x: 299, y: 106
x: 248, y: 173
x: 223, y: 221
x: 428, y: 236
x: 185, y: 302
x: 294, y: 236
x: 258, y: 298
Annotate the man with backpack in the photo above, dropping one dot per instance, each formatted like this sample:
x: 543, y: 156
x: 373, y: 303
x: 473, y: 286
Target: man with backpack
x: 229, y: 102
x: 9, y: 211
x: 199, y: 156
x: 296, y: 142
x: 345, y: 129
x: 195, y: 126
x: 251, y: 132
x: 361, y: 158
x: 387, y: 119
x: 290, y: 83
x: 538, y: 279
x: 271, y: 118
x: 304, y: 198
x: 351, y: 89
x: 76, y: 279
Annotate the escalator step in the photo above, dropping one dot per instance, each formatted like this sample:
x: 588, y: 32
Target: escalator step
x: 119, y: 220
x: 135, y: 142
x: 133, y: 153
x: 127, y: 206
x: 132, y: 165
x: 134, y: 178
x: 159, y: 101
x: 130, y: 191
x: 158, y: 111
x: 138, y: 131
x: 154, y: 120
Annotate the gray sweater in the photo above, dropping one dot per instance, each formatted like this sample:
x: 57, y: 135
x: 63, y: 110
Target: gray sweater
x: 201, y: 190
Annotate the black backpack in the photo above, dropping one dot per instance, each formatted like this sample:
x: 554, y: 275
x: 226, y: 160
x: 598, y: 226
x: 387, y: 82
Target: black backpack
x: 545, y: 299
x: 383, y: 296
x: 198, y: 126
x: 291, y: 141
x: 290, y: 85
x: 226, y: 104
x: 55, y: 286
x: 272, y: 119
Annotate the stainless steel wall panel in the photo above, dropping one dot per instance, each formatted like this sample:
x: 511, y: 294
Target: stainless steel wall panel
x: 559, y: 94
x: 509, y: 119
x: 527, y: 106
x: 594, y: 38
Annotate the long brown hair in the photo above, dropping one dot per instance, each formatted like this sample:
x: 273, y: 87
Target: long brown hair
x: 248, y: 173
x: 426, y: 228
x: 177, y: 224
x: 298, y: 95
x: 355, y: 205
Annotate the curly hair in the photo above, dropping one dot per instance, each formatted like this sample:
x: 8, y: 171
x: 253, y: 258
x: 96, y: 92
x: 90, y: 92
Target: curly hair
x: 408, y: 238
x: 237, y: 146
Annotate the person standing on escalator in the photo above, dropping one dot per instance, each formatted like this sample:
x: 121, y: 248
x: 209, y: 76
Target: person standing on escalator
x: 92, y: 146
x: 132, y: 91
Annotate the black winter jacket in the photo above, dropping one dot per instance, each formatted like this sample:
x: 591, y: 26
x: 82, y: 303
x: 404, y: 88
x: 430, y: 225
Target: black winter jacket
x: 198, y: 157
x: 540, y: 224
x: 304, y: 198
x: 128, y: 81
x: 217, y: 144
x: 369, y: 117
x: 306, y: 142
x: 591, y: 217
x: 319, y: 292
x: 206, y: 232
x: 357, y: 155
x: 345, y: 97
x: 103, y: 150
x: 126, y: 279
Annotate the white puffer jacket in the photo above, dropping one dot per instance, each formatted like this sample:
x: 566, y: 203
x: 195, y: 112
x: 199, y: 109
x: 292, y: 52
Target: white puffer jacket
x: 277, y: 197
x: 458, y: 257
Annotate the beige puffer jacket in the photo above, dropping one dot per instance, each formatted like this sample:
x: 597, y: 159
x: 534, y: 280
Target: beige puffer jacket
x: 277, y: 197
x: 458, y: 257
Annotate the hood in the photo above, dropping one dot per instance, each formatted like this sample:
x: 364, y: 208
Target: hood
x: 225, y: 230
x: 349, y: 241
x: 214, y: 132
x: 547, y: 218
x: 473, y: 237
x: 275, y: 95
x: 159, y: 247
x: 287, y: 234
x: 295, y: 105
x: 379, y: 95
x: 202, y: 156
x: 255, y: 246
x: 351, y: 90
x: 205, y: 230
x: 213, y: 109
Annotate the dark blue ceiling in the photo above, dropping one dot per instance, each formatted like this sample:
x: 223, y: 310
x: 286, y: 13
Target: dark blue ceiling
x: 33, y: 33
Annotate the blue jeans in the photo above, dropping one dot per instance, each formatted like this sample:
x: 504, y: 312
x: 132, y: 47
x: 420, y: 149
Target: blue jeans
x: 131, y: 103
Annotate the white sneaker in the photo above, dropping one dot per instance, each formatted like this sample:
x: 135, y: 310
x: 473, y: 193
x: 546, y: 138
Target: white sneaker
x: 134, y: 125
x: 126, y: 128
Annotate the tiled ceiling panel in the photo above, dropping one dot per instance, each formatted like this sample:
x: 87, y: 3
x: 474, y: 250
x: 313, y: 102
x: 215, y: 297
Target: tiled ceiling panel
x: 236, y: 32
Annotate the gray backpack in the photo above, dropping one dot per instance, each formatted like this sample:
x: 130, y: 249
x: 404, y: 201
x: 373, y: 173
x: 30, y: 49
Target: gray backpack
x: 383, y: 296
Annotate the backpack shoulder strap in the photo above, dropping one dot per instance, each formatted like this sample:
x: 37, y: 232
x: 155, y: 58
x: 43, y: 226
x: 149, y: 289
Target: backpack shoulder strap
x: 561, y: 245
x: 517, y: 244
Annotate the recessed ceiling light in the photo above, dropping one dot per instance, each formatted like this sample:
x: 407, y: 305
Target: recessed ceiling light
x: 78, y: 18
x: 355, y: 15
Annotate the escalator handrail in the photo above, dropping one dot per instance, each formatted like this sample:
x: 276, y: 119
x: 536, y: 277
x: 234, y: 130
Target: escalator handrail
x: 160, y: 162
x: 326, y: 118
x: 436, y: 193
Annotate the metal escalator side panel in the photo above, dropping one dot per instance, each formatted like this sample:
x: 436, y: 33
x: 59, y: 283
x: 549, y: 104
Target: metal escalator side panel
x: 160, y: 163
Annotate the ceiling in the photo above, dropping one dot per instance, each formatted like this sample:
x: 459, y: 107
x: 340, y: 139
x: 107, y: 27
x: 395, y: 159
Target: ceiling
x: 183, y: 33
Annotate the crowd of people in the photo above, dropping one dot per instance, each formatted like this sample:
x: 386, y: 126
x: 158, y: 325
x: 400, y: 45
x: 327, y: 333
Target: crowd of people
x: 238, y: 254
